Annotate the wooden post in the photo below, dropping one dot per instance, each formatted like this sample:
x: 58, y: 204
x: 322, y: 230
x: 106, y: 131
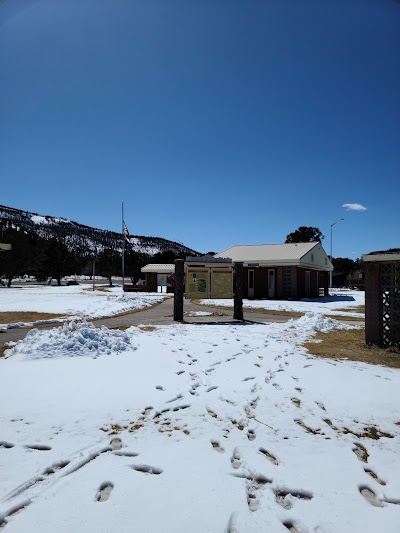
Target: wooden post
x: 373, y: 316
x: 238, y: 296
x: 179, y: 288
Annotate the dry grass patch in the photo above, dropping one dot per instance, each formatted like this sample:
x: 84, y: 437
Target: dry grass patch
x: 347, y: 318
x: 291, y: 314
x: 148, y: 328
x: 12, y: 317
x: 355, y: 309
x: 3, y: 349
x: 261, y: 311
x: 350, y: 344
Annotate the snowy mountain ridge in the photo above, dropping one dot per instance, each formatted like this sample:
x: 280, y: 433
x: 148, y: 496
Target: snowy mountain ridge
x: 85, y: 240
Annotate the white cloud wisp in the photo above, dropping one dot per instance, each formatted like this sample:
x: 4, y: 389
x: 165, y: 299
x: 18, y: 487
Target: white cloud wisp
x: 354, y: 207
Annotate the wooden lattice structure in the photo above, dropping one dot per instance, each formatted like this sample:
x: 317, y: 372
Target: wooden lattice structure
x: 382, y: 299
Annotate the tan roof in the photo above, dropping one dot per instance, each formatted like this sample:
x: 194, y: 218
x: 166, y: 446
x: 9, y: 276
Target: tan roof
x: 159, y: 269
x: 305, y: 254
x: 268, y: 252
x: 384, y: 257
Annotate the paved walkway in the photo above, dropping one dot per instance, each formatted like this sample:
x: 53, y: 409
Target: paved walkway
x: 161, y: 314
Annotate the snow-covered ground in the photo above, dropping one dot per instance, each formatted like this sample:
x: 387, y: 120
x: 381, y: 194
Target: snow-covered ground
x: 343, y: 300
x: 76, y: 301
x: 194, y: 429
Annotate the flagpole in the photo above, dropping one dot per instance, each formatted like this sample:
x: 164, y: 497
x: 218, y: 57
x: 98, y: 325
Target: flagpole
x: 123, y: 248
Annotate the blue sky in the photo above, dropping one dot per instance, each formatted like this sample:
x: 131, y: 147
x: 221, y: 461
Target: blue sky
x: 217, y: 122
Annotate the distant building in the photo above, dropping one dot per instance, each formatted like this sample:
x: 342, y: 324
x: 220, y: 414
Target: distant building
x: 282, y: 271
x: 158, y: 277
x: 275, y: 271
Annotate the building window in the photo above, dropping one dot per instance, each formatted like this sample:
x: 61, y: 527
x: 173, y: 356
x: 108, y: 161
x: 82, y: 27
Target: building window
x: 251, y: 279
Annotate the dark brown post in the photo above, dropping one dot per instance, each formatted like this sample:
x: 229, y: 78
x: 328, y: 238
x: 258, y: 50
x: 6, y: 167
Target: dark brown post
x: 179, y: 288
x: 372, y: 304
x: 238, y: 296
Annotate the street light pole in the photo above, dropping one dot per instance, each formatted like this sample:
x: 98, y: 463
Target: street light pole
x: 330, y: 273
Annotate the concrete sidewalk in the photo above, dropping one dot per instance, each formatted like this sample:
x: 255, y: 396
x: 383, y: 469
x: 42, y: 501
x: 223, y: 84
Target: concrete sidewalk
x: 161, y: 314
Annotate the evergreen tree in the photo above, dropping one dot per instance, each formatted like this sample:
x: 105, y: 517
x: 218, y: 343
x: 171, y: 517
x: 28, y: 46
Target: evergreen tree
x: 57, y: 261
x: 305, y: 234
x: 23, y: 256
x: 108, y: 263
x: 134, y: 261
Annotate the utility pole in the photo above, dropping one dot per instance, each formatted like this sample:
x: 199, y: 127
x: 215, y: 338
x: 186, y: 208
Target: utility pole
x: 330, y: 273
x: 123, y: 248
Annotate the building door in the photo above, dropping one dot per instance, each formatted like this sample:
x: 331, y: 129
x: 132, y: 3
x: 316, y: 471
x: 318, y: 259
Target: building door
x: 250, y: 284
x: 271, y: 283
x: 162, y: 282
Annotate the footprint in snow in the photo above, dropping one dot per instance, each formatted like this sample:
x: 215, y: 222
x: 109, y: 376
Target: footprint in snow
x: 290, y: 526
x: 361, y: 452
x: 236, y: 459
x: 217, y: 447
x: 39, y: 447
x: 269, y: 456
x: 5, y: 444
x: 178, y: 397
x: 374, y: 476
x: 287, y: 503
x: 159, y: 387
x: 232, y: 524
x: 104, y: 492
x: 370, y: 496
x: 126, y: 454
x: 278, y: 387
x: 193, y: 389
x: 147, y: 469
x: 116, y: 444
x: 251, y: 434
x: 16, y: 509
x: 252, y: 501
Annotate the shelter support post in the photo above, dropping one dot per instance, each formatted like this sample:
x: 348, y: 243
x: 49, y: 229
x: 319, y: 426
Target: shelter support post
x: 238, y: 287
x: 179, y: 289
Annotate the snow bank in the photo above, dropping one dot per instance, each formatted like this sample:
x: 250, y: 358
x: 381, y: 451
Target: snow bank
x: 313, y: 322
x: 71, y: 340
x: 304, y: 328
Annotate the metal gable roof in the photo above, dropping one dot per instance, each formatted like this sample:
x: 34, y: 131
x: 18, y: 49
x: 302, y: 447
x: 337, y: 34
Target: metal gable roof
x: 292, y: 252
x: 158, y: 268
